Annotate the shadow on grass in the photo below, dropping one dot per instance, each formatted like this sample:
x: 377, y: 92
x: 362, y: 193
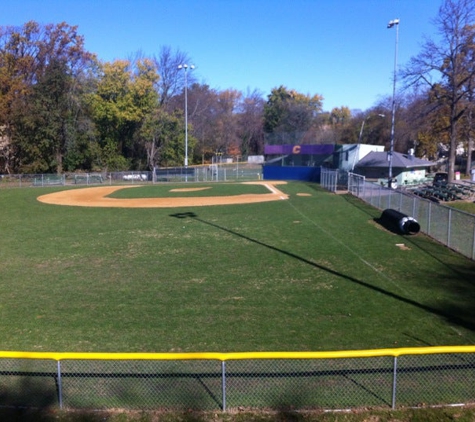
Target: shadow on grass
x: 27, y: 397
x: 362, y: 206
x: 463, y: 317
x: 49, y: 415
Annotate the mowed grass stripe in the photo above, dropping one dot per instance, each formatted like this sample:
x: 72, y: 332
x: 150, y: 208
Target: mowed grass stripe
x: 234, y: 278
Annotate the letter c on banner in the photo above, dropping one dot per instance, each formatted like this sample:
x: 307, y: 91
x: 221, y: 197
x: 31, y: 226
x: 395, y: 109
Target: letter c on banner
x: 296, y: 149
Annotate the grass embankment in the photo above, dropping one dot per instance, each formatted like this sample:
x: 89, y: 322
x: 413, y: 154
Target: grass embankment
x: 463, y: 206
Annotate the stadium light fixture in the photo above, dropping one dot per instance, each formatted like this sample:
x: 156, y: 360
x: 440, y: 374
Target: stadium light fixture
x: 363, y: 123
x: 185, y: 67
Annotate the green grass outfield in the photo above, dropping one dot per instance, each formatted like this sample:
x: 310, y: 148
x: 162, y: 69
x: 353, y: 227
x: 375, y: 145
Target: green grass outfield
x: 309, y: 273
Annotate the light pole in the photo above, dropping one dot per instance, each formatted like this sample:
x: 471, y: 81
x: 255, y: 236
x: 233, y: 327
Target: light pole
x: 391, y: 24
x: 360, y: 137
x: 185, y: 68
x: 363, y: 123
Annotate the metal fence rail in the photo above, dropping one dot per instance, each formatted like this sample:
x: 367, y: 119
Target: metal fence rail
x: 215, y: 172
x: 451, y: 227
x: 223, y: 381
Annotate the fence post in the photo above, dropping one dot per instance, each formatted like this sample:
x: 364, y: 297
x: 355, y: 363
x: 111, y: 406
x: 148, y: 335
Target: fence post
x: 223, y: 383
x: 429, y: 213
x: 449, y: 228
x: 60, y: 386
x: 473, y: 244
x: 393, y: 399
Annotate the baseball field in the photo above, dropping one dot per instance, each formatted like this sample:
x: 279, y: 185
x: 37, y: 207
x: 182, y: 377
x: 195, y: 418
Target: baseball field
x: 221, y: 267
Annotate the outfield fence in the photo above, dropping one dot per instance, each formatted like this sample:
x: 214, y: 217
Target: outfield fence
x: 451, y: 227
x: 229, y: 381
x: 209, y: 173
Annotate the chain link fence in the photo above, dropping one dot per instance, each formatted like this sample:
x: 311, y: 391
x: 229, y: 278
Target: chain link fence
x: 334, y: 180
x: 309, y: 380
x: 451, y: 227
x: 221, y: 172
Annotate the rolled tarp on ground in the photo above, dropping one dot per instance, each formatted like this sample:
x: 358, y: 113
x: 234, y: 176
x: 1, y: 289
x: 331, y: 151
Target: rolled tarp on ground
x: 400, y: 222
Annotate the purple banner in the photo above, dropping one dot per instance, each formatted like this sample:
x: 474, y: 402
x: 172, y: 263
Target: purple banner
x: 299, y: 149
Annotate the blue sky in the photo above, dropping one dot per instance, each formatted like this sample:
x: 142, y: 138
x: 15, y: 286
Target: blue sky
x: 340, y: 49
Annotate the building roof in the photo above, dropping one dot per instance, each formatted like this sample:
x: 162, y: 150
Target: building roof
x: 380, y: 159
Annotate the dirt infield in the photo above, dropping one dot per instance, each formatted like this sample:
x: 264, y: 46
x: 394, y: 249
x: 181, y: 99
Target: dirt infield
x: 97, y: 197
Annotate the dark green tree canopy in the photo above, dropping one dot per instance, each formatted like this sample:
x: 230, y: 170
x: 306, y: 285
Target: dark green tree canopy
x: 288, y: 114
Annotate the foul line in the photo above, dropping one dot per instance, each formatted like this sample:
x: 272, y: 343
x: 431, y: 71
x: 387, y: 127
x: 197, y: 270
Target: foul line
x: 348, y: 248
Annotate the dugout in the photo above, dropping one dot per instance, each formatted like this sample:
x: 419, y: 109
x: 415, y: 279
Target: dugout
x: 303, y: 162
x: 296, y: 162
x: 302, y: 173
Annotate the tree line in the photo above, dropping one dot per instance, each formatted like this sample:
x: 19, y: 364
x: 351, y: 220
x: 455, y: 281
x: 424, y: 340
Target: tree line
x: 63, y: 109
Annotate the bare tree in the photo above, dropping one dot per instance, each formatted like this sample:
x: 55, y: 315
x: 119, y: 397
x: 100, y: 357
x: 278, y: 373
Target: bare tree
x: 250, y: 124
x: 171, y: 81
x: 448, y: 63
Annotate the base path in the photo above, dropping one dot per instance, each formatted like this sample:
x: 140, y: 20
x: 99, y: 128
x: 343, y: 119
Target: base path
x: 97, y: 197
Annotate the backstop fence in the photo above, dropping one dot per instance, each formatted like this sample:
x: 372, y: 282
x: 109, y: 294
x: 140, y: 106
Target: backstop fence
x: 388, y: 378
x: 451, y: 227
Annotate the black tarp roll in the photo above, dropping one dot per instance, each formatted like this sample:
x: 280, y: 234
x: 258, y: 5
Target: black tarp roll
x: 400, y: 222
